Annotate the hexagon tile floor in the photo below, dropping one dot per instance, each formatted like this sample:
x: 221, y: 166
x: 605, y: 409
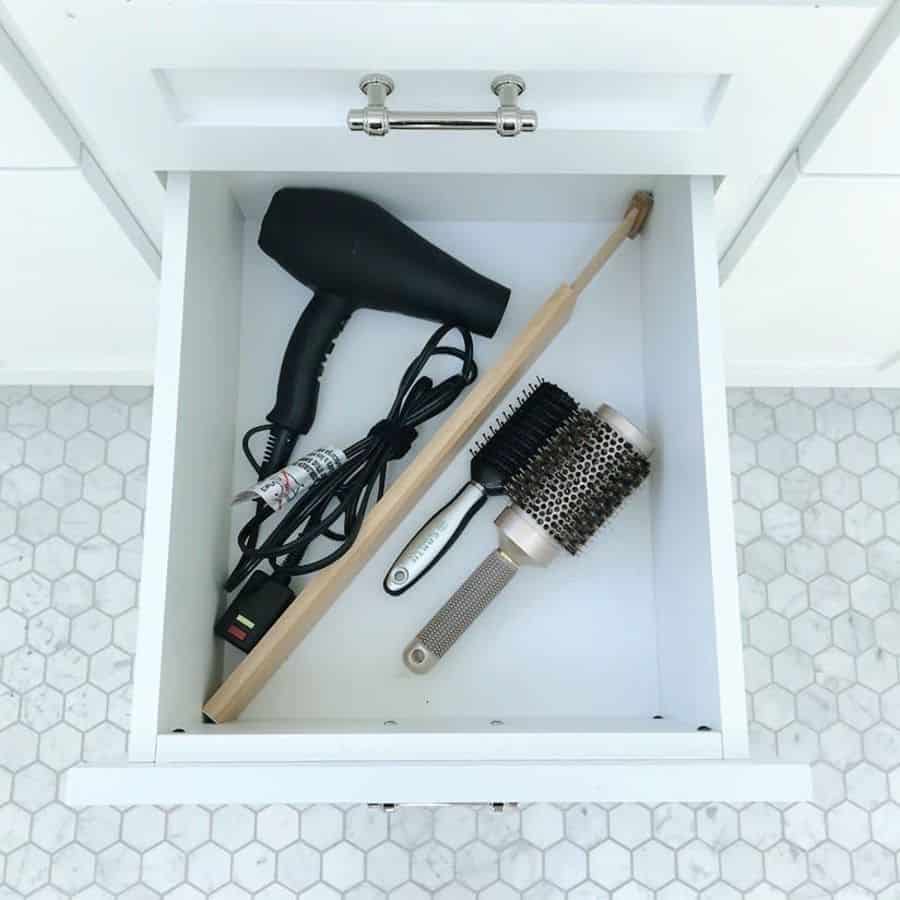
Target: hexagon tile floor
x: 818, y: 526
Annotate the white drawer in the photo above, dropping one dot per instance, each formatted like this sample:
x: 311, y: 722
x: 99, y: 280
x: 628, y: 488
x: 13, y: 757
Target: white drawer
x: 555, y: 694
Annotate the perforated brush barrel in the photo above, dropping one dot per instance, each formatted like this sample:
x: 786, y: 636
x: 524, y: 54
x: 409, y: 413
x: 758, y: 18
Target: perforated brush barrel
x: 563, y: 496
x: 583, y: 475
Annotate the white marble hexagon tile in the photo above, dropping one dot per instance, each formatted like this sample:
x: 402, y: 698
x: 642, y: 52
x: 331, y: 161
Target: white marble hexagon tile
x: 818, y: 515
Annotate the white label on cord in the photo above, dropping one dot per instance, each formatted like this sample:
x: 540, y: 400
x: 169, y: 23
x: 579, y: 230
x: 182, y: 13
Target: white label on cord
x: 294, y: 479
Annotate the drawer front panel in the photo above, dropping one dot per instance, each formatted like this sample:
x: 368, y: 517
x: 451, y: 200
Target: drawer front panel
x: 617, y: 87
x: 730, y: 782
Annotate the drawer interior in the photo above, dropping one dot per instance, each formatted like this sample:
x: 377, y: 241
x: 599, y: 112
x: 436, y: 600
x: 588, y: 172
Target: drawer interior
x: 641, y: 625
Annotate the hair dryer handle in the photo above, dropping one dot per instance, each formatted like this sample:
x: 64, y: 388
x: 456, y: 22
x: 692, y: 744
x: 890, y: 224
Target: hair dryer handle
x: 304, y: 359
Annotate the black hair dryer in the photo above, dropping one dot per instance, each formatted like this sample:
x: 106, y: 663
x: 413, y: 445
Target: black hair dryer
x: 353, y: 254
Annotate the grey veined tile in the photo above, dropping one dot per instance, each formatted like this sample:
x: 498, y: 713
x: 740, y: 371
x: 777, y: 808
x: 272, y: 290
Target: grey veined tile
x: 754, y: 420
x: 841, y: 488
x: 857, y: 454
x: 805, y: 559
x: 864, y: 523
x: 68, y: 417
x: 873, y: 420
x: 817, y: 453
x: 888, y: 453
x: 880, y: 488
x: 794, y: 420
x: 758, y: 487
x: 823, y: 523
x: 834, y: 420
x: 777, y: 454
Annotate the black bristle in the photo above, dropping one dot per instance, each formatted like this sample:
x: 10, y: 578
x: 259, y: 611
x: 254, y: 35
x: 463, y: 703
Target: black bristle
x: 519, y: 433
x: 579, y: 479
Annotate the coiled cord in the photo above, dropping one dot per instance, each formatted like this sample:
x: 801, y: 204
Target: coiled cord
x: 335, y: 507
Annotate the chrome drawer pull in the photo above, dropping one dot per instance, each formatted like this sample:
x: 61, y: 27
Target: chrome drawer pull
x: 377, y: 120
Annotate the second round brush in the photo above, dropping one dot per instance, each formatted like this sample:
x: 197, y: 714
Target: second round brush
x: 509, y: 445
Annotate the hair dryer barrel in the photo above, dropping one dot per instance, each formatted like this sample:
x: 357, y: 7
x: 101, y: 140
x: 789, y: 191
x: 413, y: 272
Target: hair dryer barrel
x: 347, y: 246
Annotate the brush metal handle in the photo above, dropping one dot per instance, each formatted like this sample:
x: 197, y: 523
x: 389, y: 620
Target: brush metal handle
x: 434, y: 539
x: 450, y: 622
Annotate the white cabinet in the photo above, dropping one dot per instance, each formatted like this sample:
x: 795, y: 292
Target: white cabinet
x: 78, y: 302
x: 69, y: 314
x: 858, y: 132
x: 36, y: 138
x: 810, y: 271
x: 813, y: 300
x: 556, y: 691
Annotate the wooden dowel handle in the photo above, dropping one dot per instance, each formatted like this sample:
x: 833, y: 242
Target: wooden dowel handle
x: 632, y: 224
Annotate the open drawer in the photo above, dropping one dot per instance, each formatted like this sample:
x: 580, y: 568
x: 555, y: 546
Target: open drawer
x: 613, y: 676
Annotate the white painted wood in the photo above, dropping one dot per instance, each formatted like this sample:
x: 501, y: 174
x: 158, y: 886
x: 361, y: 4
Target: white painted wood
x: 768, y: 201
x: 185, y: 534
x: 889, y: 363
x: 693, y: 540
x: 120, y: 211
x: 40, y: 134
x: 857, y: 129
x: 36, y: 134
x: 109, y: 61
x: 597, y: 99
x: 78, y: 303
x: 716, y: 446
x: 830, y: 313
x: 812, y: 374
x: 455, y: 740
x: 736, y: 196
x: 847, y: 120
x: 653, y: 782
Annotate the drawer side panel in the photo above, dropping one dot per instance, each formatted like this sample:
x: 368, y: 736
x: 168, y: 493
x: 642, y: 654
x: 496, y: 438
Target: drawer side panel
x: 695, y: 573
x: 186, y: 538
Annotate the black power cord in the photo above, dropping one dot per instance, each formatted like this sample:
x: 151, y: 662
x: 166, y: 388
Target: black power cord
x: 335, y: 507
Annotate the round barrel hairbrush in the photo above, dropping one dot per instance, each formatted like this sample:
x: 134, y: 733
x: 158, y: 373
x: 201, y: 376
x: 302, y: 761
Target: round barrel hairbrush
x: 502, y: 452
x: 572, y: 487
